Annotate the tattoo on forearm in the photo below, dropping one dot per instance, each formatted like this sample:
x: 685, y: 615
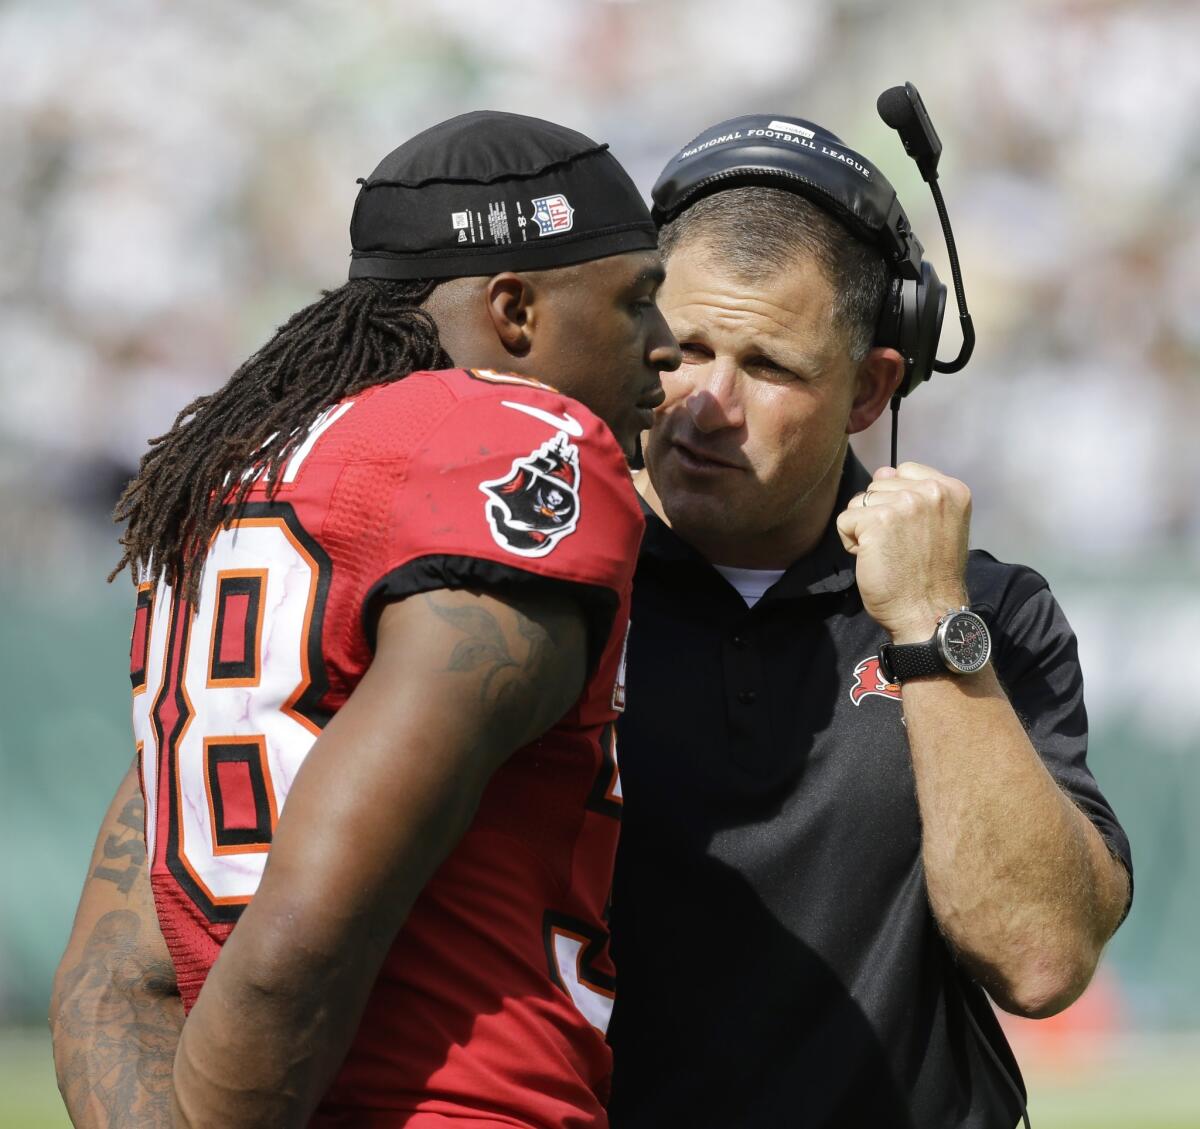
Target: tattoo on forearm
x: 125, y: 849
x: 116, y: 1028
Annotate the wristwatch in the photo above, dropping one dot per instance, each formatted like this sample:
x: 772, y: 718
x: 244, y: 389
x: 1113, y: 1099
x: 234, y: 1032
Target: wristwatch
x: 960, y: 645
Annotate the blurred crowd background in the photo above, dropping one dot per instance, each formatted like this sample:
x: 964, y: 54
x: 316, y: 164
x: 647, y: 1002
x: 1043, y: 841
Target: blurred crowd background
x: 176, y: 179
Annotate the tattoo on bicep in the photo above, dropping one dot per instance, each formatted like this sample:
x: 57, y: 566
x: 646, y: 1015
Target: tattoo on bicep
x: 484, y: 641
x: 117, y: 1027
x: 538, y: 638
x: 125, y: 849
x: 486, y: 646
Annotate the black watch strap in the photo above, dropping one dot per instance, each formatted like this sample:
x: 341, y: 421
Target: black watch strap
x: 899, y: 662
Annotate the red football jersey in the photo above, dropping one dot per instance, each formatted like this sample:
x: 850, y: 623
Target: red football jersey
x: 491, y: 1007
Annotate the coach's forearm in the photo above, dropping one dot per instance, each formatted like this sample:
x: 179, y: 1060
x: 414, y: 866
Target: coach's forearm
x: 1019, y: 879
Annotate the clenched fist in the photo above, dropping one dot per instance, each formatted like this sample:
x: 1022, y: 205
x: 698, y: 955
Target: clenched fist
x: 908, y: 531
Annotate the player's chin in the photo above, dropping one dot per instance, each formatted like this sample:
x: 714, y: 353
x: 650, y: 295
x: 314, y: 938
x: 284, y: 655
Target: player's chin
x: 631, y: 447
x: 628, y: 433
x: 641, y: 423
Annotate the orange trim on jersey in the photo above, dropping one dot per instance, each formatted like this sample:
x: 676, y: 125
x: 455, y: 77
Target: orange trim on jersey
x: 149, y: 586
x: 584, y: 942
x: 493, y: 377
x: 260, y: 742
x: 159, y: 775
x: 289, y: 707
x: 610, y: 793
x: 259, y: 574
x: 181, y: 677
x: 149, y: 832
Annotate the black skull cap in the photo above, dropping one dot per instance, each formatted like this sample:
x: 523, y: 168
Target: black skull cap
x: 780, y: 151
x: 489, y: 191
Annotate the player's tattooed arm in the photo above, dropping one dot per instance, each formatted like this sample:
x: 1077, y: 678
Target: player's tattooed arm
x: 115, y: 1012
x: 459, y: 681
x: 509, y: 672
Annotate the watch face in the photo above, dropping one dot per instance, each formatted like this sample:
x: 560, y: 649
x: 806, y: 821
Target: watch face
x: 965, y: 642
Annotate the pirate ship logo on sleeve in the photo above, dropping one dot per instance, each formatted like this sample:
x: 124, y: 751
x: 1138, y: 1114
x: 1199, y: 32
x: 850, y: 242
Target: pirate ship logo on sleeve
x: 536, y: 504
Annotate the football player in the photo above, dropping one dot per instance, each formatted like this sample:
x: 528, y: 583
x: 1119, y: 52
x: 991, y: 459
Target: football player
x: 381, y: 608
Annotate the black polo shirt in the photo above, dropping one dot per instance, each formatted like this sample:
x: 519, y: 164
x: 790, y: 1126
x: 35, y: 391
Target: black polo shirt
x: 778, y: 964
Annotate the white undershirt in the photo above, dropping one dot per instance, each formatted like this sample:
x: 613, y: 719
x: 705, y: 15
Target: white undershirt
x: 750, y: 583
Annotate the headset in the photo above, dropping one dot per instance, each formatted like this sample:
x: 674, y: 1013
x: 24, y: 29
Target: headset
x: 799, y: 156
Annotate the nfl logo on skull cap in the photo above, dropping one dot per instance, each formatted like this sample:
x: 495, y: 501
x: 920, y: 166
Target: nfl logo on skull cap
x: 553, y: 214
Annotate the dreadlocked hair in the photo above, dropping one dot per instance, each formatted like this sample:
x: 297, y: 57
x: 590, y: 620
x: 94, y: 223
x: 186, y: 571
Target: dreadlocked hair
x: 366, y: 332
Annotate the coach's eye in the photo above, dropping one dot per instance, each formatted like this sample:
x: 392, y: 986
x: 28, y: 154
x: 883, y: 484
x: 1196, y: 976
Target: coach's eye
x: 694, y: 353
x: 771, y: 369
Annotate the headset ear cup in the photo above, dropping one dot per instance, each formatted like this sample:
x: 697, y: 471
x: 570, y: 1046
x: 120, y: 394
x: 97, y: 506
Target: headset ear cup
x: 915, y: 371
x: 922, y: 307
x: 887, y: 328
x: 894, y: 329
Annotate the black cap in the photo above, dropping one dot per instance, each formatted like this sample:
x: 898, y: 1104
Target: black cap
x: 489, y: 191
x: 799, y: 156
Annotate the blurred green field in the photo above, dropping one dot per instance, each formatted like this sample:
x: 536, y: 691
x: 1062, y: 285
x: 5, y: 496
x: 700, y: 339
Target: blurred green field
x: 1154, y: 1086
x: 28, y: 1096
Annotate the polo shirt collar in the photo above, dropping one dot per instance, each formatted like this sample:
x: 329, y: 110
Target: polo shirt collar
x: 828, y: 568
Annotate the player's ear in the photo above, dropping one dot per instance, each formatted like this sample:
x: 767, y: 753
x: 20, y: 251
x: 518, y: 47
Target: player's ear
x: 878, y: 376
x: 509, y: 299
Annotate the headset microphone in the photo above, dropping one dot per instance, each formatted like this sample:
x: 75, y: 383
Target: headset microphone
x: 901, y: 108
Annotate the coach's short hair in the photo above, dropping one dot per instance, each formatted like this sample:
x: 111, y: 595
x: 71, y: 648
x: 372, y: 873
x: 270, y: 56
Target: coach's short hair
x: 757, y: 232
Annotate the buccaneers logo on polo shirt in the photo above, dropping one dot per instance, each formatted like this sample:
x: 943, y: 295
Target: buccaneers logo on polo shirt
x: 868, y: 679
x: 536, y: 504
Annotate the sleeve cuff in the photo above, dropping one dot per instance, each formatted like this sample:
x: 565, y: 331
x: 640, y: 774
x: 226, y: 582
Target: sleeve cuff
x: 426, y: 574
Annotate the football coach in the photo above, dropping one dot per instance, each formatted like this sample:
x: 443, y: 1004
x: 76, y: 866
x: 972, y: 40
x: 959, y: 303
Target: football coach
x: 857, y: 802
